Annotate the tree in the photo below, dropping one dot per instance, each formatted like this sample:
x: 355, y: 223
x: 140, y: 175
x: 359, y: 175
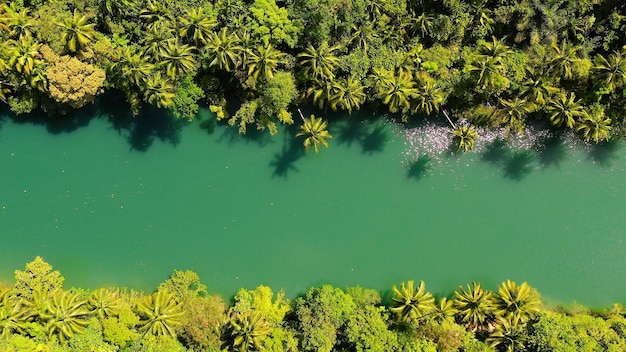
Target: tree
x: 24, y: 54
x: 37, y: 277
x: 347, y: 94
x: 104, y: 303
x: 512, y: 115
x: 475, y: 308
x: 160, y: 314
x: 19, y: 23
x: 320, y: 62
x: 611, y: 72
x: 508, y: 336
x: 177, y: 58
x: 564, y: 109
x: 196, y: 25
x: 134, y: 66
x: 428, y: 98
x: 536, y: 88
x: 66, y: 315
x: 486, y: 72
x: 73, y: 82
x: 158, y: 91
x: 315, y: 133
x: 262, y: 63
x: 516, y: 303
x: 465, y: 137
x: 245, y: 331
x: 13, y: 314
x: 155, y: 42
x: 223, y: 50
x: 397, y: 90
x: 411, y: 304
x: 563, y: 59
x: 155, y: 14
x: 77, y: 32
x: 594, y: 125
x: 270, y: 22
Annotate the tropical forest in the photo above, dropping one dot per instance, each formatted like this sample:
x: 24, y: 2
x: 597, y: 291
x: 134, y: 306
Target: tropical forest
x: 305, y: 73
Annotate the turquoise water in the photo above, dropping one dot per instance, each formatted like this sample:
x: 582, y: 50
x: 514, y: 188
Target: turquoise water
x: 126, y: 203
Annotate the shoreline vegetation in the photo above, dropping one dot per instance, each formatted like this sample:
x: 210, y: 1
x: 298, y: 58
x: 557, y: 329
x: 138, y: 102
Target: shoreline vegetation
x: 38, y: 314
x: 476, y: 64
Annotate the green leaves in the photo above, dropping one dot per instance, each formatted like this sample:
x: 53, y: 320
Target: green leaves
x: 410, y: 303
x: 66, y: 314
x: 465, y: 137
x: 160, y: 314
x: 77, y: 32
x: 315, y: 133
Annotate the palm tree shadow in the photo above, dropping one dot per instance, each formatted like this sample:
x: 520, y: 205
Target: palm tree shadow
x: 231, y: 135
x: 375, y: 140
x: 518, y: 165
x: 604, y: 154
x: 550, y: 151
x: 151, y: 124
x: 350, y: 130
x: 292, y: 151
x: 495, y: 152
x: 418, y: 168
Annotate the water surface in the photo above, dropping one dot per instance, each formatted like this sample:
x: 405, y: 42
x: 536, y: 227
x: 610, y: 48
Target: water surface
x: 126, y: 203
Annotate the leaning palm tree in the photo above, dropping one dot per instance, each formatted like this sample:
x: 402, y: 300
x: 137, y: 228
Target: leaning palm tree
x: 77, y: 32
x: 594, y: 125
x: 160, y: 314
x: 410, y: 303
x: 517, y: 302
x: 465, y: 137
x: 66, y: 315
x: 475, y: 308
x: 320, y: 62
x: 314, y: 132
x: 245, y: 331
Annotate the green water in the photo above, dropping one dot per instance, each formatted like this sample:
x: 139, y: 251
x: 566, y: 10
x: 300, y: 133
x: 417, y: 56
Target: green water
x: 121, y: 204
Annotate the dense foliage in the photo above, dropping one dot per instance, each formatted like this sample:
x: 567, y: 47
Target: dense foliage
x: 491, y: 63
x: 38, y: 314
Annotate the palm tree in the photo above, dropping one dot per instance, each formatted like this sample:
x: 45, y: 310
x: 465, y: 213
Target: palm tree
x: 428, y: 98
x: 104, y: 303
x: 263, y: 62
x: 536, y: 88
x: 159, y: 91
x: 508, y: 336
x: 245, y: 331
x: 223, y: 50
x: 116, y: 8
x: 320, y: 63
x: 13, y: 314
x: 563, y: 59
x: 195, y: 24
x: 77, y: 33
x: 594, y: 125
x: 397, y: 90
x: 155, y: 41
x: 66, y: 315
x: 565, y: 109
x: 444, y: 311
x: 315, y: 132
x: 518, y: 303
x: 611, y: 72
x: 322, y: 91
x: 475, y: 308
x: 177, y: 58
x: 486, y: 72
x: 160, y: 314
x: 363, y: 35
x: 347, y: 94
x: 410, y: 303
x: 24, y: 54
x: 134, y: 66
x: 18, y: 23
x: 465, y: 136
x: 495, y: 49
x: 512, y: 115
x: 154, y: 14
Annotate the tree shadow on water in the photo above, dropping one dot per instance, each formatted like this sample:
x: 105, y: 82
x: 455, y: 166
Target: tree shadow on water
x: 57, y: 122
x: 494, y: 152
x: 605, y: 153
x: 550, y: 150
x: 292, y: 151
x: 151, y: 124
x: 370, y: 134
x: 418, y: 168
x: 518, y: 165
